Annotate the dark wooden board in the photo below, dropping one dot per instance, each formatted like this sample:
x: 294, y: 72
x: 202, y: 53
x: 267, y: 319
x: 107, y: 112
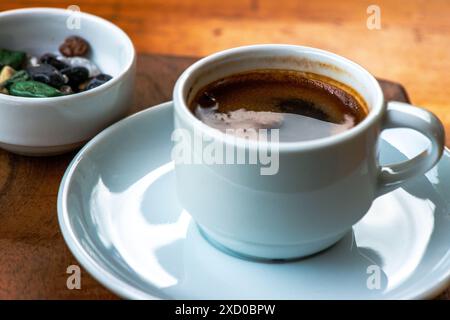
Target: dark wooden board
x: 33, y: 254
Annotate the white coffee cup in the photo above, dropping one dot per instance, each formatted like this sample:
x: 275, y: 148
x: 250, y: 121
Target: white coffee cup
x: 322, y: 187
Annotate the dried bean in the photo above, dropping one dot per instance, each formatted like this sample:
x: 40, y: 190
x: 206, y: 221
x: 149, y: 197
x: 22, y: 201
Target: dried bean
x: 98, y: 80
x: 47, y: 74
x: 76, y: 75
x: 74, y: 46
x: 51, y: 59
x: 82, y: 62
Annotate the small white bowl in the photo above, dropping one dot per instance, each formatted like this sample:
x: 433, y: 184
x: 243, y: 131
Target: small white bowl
x: 47, y: 126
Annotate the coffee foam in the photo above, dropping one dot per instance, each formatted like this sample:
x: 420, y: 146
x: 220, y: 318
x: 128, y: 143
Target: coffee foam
x: 301, y: 106
x: 292, y: 127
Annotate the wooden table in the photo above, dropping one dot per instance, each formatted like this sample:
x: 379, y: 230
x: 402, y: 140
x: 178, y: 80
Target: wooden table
x: 33, y: 254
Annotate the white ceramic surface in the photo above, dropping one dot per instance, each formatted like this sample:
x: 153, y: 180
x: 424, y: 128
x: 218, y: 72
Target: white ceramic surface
x: 322, y: 187
x: 120, y: 217
x: 43, y: 126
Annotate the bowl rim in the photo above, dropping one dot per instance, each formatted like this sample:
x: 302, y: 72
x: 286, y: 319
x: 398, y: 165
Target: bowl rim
x: 94, y: 91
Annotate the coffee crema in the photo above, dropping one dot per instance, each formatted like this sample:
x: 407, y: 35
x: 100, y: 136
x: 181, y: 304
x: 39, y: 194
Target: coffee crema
x: 302, y: 105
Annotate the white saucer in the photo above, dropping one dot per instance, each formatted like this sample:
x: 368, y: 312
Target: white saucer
x: 119, y: 216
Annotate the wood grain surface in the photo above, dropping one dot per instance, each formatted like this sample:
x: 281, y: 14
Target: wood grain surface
x: 33, y: 254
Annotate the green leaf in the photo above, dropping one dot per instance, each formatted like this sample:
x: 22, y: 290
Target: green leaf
x: 14, y: 59
x: 21, y: 75
x: 33, y: 89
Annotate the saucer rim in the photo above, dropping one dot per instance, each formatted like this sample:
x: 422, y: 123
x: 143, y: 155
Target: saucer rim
x: 122, y: 288
x: 117, y: 286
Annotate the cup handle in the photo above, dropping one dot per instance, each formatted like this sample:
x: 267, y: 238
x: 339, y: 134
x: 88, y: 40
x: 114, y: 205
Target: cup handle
x: 403, y: 115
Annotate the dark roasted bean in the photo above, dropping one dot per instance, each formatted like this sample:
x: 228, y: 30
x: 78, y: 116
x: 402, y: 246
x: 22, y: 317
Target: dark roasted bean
x: 47, y: 74
x: 51, y: 59
x: 76, y: 75
x: 98, y: 80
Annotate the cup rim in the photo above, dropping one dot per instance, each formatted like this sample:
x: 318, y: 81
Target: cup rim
x: 85, y: 15
x: 183, y: 111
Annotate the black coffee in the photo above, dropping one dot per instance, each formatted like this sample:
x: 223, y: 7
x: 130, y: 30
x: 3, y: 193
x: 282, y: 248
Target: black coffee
x: 302, y: 105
